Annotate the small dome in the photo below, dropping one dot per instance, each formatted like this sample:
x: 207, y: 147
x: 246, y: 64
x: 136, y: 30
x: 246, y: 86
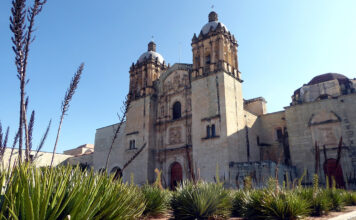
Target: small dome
x: 327, y: 77
x: 151, y: 54
x: 213, y: 23
x: 316, y: 90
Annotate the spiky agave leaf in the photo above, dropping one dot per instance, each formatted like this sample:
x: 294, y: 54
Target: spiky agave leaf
x: 201, y: 200
x: 157, y: 200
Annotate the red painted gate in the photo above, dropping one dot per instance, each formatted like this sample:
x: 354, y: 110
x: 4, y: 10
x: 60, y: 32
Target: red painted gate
x: 176, y: 174
x: 331, y: 170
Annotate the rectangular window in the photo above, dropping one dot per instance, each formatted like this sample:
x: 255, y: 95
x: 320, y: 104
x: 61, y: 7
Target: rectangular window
x: 213, y: 133
x: 208, y: 131
x: 132, y: 145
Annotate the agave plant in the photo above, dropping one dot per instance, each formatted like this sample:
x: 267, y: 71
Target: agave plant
x: 63, y: 192
x: 349, y: 198
x: 157, y: 200
x: 318, y: 200
x: 284, y: 205
x: 238, y: 203
x: 336, y: 199
x: 252, y: 208
x: 201, y: 201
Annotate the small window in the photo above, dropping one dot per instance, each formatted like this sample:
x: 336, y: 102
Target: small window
x: 177, y: 110
x: 213, y: 133
x: 208, y: 131
x: 132, y: 144
x: 207, y: 59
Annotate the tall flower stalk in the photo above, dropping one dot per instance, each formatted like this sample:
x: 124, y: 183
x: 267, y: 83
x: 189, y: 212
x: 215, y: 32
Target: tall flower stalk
x: 65, y: 104
x: 22, y: 23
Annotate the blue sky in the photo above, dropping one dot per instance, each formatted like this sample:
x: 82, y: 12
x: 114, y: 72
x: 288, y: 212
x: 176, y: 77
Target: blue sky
x: 282, y: 45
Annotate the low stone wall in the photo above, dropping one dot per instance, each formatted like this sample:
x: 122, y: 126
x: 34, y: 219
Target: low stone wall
x: 259, y: 172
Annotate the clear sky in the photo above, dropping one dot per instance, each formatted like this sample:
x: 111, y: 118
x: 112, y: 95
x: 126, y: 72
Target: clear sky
x: 282, y: 45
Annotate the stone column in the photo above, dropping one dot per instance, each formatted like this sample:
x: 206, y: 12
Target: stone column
x: 201, y: 52
x: 212, y: 55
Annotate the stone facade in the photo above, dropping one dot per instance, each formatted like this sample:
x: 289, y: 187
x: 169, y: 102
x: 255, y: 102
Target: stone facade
x: 190, y: 121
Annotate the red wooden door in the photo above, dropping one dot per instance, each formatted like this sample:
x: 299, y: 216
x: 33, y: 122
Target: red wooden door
x: 176, y: 175
x: 331, y: 170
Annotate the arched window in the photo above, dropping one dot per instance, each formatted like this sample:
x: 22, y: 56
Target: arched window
x: 177, y: 113
x: 117, y: 173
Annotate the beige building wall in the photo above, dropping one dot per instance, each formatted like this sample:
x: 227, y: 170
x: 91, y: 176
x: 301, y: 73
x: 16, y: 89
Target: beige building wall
x: 207, y: 104
x: 45, y: 158
x: 301, y: 138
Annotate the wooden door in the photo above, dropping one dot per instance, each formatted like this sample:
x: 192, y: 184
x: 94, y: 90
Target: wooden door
x: 176, y: 174
x: 331, y: 170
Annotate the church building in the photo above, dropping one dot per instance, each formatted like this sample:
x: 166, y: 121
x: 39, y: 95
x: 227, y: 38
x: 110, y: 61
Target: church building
x: 190, y: 121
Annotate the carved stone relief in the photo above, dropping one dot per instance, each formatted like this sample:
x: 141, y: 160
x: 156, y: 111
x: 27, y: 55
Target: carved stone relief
x: 175, y: 135
x: 325, y: 129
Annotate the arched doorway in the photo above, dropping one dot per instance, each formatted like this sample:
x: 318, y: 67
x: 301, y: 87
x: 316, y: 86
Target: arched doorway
x: 117, y: 173
x: 176, y: 174
x: 331, y: 170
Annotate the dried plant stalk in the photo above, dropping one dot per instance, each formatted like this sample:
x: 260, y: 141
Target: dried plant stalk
x: 125, y: 109
x: 66, y: 101
x: 43, y: 139
x: 22, y: 39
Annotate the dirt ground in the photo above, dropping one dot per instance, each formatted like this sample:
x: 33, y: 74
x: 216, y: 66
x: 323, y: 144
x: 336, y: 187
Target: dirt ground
x: 330, y: 215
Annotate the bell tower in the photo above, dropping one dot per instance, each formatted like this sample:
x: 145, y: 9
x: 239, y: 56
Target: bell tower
x: 145, y: 72
x: 217, y: 101
x: 215, y: 49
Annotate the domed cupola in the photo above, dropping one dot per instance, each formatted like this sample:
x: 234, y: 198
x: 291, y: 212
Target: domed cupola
x: 147, y: 69
x: 151, y: 55
x: 215, y: 49
x: 324, y: 86
x: 213, y: 24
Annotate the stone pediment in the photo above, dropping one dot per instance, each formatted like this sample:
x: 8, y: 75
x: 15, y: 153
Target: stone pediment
x: 174, y: 78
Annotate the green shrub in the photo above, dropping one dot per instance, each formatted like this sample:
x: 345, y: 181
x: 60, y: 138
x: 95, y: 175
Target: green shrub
x: 284, y: 205
x: 349, y: 198
x: 157, y: 200
x: 335, y: 198
x: 252, y: 201
x: 318, y: 200
x: 56, y: 193
x: 201, y: 201
x: 238, y: 203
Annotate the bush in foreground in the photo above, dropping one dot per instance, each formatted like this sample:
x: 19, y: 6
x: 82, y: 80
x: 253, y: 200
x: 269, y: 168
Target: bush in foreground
x: 157, y: 200
x: 318, y: 200
x: 63, y: 192
x: 284, y: 205
x: 201, y: 201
